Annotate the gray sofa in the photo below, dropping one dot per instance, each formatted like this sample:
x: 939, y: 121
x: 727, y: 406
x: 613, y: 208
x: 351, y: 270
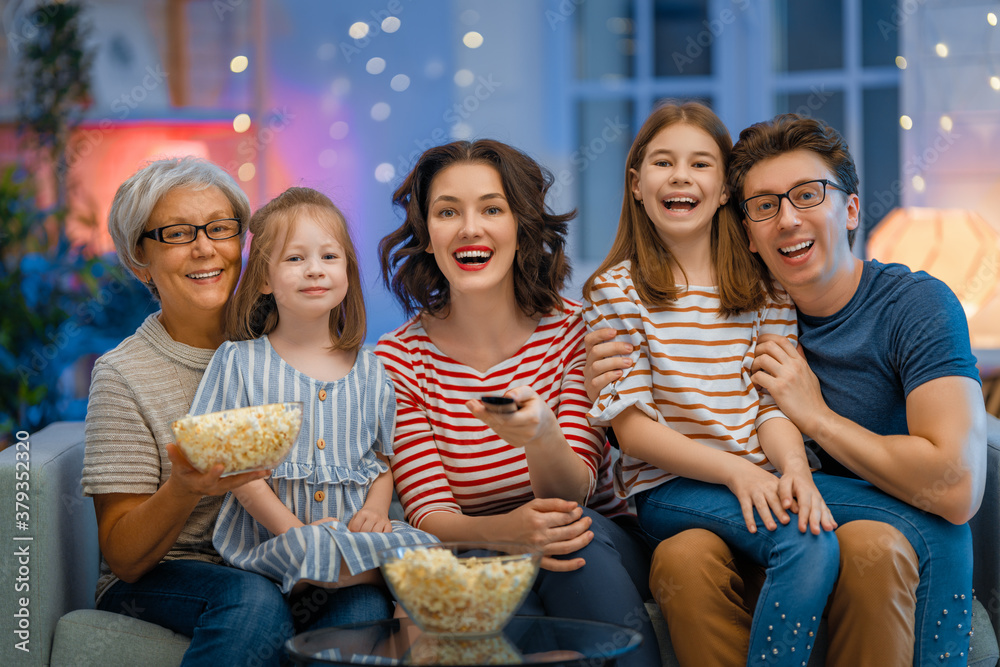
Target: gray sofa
x: 48, y: 581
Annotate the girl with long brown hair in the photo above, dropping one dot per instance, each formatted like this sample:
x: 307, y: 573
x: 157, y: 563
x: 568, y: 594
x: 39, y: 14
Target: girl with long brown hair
x: 700, y: 444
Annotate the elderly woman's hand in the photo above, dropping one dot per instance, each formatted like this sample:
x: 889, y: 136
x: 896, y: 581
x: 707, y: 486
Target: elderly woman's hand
x: 190, y: 481
x: 534, y: 421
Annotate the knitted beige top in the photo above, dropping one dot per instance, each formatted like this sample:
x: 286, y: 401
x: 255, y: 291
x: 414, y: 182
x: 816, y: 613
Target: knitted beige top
x: 136, y: 391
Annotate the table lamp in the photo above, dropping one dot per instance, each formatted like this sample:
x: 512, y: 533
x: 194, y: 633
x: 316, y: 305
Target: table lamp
x: 958, y: 247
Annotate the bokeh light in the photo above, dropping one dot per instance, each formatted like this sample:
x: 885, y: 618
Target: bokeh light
x: 381, y: 111
x: 375, y: 66
x: 246, y: 171
x: 238, y: 64
x: 900, y: 62
x: 242, y: 122
x: 390, y: 24
x: 472, y: 39
x: 905, y: 122
x: 358, y: 30
x: 941, y: 49
x: 385, y: 172
x: 946, y: 123
x: 399, y: 83
x: 339, y: 130
x: 464, y: 77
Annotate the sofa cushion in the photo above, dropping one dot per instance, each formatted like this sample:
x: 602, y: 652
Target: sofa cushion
x: 94, y: 638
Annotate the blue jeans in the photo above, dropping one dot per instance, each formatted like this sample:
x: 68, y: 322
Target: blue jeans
x: 612, y: 587
x: 234, y: 617
x: 801, y: 568
x: 944, y: 595
x: 318, y: 607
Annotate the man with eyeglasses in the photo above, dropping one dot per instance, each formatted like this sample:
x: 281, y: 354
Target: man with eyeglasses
x: 887, y: 396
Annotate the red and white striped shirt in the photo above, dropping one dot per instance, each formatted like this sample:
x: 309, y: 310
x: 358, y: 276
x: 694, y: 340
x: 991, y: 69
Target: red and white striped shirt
x: 446, y: 460
x: 690, y: 372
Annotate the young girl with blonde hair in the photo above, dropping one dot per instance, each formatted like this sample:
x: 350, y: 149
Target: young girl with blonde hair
x: 298, y: 322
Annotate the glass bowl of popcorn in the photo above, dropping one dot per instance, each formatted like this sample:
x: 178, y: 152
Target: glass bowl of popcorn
x: 460, y: 589
x: 258, y: 437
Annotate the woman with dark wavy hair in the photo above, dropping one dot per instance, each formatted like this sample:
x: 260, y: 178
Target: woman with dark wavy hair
x: 479, y: 263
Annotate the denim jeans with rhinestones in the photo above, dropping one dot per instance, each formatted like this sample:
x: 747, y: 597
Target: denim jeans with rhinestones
x: 801, y: 567
x: 943, y: 620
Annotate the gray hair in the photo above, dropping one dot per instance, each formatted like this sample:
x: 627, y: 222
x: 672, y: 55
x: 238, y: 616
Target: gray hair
x: 138, y: 196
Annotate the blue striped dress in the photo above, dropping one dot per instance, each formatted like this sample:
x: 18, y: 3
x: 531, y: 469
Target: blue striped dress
x: 327, y: 473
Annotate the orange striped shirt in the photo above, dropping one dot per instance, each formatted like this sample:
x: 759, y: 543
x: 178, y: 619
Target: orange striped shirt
x: 690, y: 372
x: 444, y: 459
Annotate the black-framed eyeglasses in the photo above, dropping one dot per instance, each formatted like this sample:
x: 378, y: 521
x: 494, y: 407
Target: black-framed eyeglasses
x: 217, y: 230
x: 803, y: 195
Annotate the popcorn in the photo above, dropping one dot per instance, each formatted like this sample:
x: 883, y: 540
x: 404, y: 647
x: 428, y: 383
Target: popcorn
x: 434, y: 650
x: 449, y: 595
x: 252, y: 438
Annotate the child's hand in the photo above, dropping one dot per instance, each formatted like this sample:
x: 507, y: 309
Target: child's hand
x: 799, y: 494
x: 607, y: 360
x: 757, y: 489
x: 368, y: 521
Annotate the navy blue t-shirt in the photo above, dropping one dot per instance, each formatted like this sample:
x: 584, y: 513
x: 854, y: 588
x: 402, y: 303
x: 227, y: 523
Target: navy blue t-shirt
x: 899, y: 330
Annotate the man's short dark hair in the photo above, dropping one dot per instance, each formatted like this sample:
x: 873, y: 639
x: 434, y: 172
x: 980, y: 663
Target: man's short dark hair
x: 784, y: 134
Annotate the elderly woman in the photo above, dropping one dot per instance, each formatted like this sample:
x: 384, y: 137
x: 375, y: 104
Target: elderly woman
x: 480, y: 261
x: 178, y: 225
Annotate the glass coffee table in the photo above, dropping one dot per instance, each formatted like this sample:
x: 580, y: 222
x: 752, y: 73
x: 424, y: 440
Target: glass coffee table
x: 527, y: 640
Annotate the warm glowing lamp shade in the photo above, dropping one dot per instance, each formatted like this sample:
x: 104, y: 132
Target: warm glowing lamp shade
x: 954, y: 245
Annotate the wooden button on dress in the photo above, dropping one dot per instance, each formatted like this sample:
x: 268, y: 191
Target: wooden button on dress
x: 321, y: 443
x: 322, y: 394
x: 319, y: 496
